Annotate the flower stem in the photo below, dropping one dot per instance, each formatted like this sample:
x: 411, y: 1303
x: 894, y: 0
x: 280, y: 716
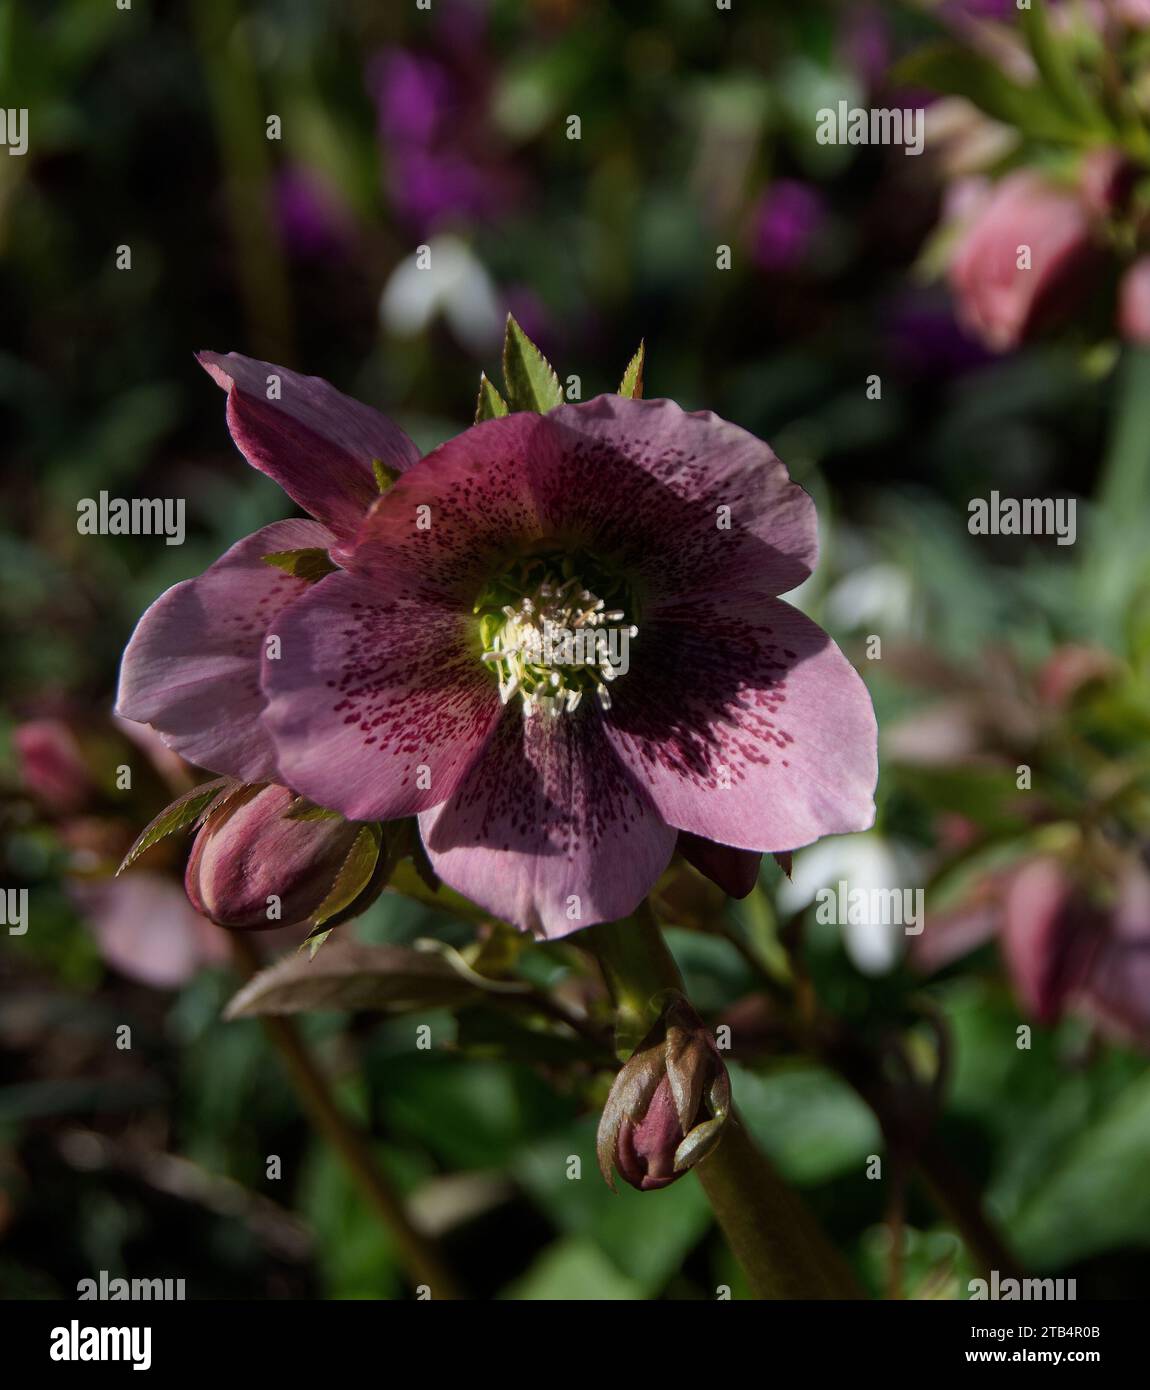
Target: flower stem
x: 420, y: 1255
x: 778, y: 1242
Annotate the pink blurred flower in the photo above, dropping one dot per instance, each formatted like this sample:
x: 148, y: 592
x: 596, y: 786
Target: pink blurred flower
x: 147, y: 929
x: 52, y: 765
x: 1024, y: 263
x: 1134, y: 303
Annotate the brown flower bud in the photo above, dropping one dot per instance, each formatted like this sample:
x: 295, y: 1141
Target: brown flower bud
x: 668, y: 1105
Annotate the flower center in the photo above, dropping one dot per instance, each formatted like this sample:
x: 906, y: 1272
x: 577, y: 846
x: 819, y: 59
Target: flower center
x: 553, y: 629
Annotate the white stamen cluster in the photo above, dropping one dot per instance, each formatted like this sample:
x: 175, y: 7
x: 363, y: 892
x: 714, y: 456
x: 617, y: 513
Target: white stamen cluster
x: 519, y: 649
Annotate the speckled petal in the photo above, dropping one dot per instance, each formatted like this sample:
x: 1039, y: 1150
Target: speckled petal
x: 192, y: 667
x: 317, y: 443
x: 548, y: 830
x: 684, y: 502
x: 379, y: 699
x: 747, y: 724
x: 449, y: 524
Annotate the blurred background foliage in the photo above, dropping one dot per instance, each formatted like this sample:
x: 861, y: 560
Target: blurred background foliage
x: 449, y: 127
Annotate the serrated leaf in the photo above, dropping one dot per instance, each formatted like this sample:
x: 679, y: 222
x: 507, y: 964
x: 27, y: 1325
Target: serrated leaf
x: 529, y: 380
x: 632, y: 383
x: 350, y: 975
x: 186, y: 811
x: 309, y: 563
x: 354, y: 875
x: 489, y: 404
x: 385, y: 477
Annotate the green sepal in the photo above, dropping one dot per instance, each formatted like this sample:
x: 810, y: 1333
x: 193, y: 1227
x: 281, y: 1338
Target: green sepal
x: 354, y: 876
x: 385, y: 477
x: 489, y: 404
x: 310, y: 564
x: 190, y: 809
x: 529, y: 380
x: 632, y: 383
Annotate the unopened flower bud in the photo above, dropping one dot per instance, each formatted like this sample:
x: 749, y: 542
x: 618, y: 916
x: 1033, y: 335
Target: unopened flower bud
x: 1024, y: 263
x: 52, y: 765
x: 252, y: 867
x: 668, y: 1105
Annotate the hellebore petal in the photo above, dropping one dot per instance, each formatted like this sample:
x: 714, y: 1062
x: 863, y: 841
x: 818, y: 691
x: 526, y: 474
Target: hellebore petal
x: 736, y: 871
x: 192, y: 666
x: 547, y: 829
x: 448, y: 522
x: 746, y: 724
x: 317, y: 443
x: 668, y: 1105
x: 253, y: 868
x: 684, y: 501
x: 378, y: 702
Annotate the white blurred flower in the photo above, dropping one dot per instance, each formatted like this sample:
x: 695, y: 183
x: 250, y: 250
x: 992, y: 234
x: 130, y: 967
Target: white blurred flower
x: 454, y: 284
x: 866, y: 863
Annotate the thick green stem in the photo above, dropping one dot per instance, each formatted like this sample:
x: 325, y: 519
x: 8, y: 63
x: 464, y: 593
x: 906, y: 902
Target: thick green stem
x: 781, y: 1247
x: 775, y: 1238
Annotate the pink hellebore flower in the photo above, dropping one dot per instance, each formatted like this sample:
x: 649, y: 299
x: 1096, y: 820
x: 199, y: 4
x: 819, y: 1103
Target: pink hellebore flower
x: 414, y: 680
x: 1024, y: 262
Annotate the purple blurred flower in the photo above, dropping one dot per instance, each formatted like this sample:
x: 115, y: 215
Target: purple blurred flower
x: 788, y: 217
x: 432, y: 121
x: 315, y: 219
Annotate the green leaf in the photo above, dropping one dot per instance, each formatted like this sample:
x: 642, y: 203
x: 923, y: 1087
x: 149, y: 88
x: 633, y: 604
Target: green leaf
x: 1056, y: 65
x: 528, y: 378
x: 310, y: 564
x: 384, y: 476
x: 955, y: 71
x: 190, y: 809
x: 354, y: 875
x: 350, y: 975
x: 632, y: 383
x: 489, y: 404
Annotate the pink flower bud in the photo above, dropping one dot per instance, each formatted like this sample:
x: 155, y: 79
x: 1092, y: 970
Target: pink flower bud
x: 1134, y: 303
x: 1050, y: 935
x: 668, y: 1106
x: 1025, y: 262
x: 52, y: 765
x: 252, y: 868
